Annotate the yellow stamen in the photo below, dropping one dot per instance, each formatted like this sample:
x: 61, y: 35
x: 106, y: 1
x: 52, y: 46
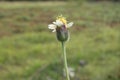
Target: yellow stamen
x: 61, y: 18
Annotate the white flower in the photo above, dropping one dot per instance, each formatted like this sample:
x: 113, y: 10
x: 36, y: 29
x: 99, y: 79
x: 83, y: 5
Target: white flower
x: 59, y: 23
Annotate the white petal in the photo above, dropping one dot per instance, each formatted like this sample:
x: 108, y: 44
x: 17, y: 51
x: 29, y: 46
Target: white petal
x: 69, y: 24
x: 54, y: 23
x: 52, y: 26
x: 54, y: 30
x: 58, y: 23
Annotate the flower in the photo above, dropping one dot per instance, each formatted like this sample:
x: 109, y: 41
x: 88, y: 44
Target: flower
x: 60, y: 22
x: 60, y: 27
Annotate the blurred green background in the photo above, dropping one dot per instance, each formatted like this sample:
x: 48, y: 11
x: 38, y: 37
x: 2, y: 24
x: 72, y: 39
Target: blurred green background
x: 30, y: 51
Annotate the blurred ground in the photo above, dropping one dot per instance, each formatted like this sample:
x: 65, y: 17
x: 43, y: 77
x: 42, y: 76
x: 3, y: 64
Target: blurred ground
x: 29, y: 51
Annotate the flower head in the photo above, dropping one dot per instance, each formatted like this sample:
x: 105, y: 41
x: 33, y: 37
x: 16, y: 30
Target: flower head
x: 60, y: 22
x: 60, y: 27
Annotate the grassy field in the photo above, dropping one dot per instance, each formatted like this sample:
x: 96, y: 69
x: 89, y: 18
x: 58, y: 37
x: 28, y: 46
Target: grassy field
x: 29, y: 51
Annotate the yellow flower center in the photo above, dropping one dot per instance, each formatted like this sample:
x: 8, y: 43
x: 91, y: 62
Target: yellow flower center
x: 62, y: 19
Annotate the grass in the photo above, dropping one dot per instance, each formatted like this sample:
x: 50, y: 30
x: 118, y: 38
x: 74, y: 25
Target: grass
x: 29, y: 51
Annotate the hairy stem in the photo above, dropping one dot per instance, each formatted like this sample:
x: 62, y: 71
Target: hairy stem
x: 65, y: 61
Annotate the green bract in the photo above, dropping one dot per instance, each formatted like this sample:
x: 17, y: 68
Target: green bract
x: 62, y: 33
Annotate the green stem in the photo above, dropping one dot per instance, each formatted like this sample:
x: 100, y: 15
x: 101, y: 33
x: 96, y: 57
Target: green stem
x: 65, y: 61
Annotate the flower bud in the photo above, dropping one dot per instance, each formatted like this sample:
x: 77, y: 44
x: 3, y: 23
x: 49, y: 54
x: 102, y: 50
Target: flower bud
x: 62, y: 33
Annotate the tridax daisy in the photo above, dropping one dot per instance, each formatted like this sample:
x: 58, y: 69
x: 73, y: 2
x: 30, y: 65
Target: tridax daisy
x: 60, y: 27
x: 60, y: 22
